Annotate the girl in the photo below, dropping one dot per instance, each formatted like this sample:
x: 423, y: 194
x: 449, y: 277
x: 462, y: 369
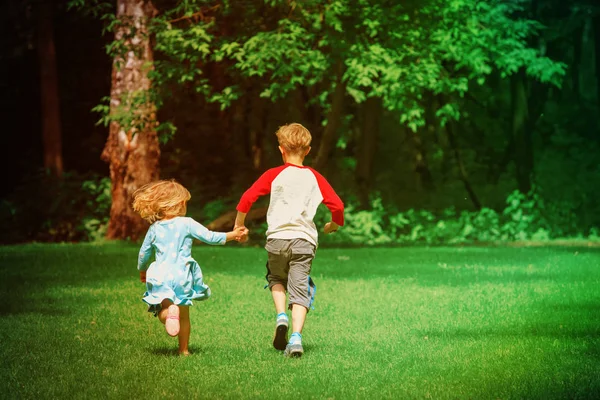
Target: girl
x: 174, y: 279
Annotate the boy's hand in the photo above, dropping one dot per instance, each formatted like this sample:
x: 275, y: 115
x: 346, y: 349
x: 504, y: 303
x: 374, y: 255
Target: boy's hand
x: 143, y: 276
x: 331, y: 227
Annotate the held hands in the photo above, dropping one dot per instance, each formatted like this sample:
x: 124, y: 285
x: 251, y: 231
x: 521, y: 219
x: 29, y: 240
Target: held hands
x: 331, y: 227
x: 143, y: 276
x: 241, y: 234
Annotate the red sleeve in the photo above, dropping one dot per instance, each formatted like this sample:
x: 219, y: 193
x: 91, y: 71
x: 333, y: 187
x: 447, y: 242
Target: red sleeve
x: 330, y: 199
x: 261, y: 187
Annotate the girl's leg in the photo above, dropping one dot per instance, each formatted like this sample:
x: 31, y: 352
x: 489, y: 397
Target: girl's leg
x: 184, y: 329
x: 169, y: 316
x: 162, y: 314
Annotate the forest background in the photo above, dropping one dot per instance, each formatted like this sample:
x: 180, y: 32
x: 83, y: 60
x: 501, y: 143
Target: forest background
x: 438, y: 122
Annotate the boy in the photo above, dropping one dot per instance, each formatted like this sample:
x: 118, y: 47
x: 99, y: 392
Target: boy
x: 296, y: 192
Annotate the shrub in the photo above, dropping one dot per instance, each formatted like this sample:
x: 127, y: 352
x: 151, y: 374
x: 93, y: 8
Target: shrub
x: 525, y: 217
x: 45, y: 208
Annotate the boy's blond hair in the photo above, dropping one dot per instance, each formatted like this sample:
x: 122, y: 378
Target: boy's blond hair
x: 294, y: 138
x: 161, y: 199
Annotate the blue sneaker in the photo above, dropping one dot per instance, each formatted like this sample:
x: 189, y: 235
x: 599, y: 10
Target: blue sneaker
x: 294, y: 350
x: 281, y: 330
x: 294, y: 347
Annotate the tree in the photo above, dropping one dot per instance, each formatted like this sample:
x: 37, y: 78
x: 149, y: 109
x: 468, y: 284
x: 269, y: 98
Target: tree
x: 402, y: 54
x: 347, y: 55
x: 367, y: 148
x: 132, y: 148
x: 51, y: 128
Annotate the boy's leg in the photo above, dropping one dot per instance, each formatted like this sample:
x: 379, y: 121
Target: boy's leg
x: 299, y: 289
x: 277, y: 271
x: 278, y: 293
x: 184, y: 330
x: 294, y: 347
x: 281, y: 325
x: 298, y: 317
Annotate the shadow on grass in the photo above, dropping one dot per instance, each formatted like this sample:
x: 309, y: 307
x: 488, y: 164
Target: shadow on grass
x: 173, y: 352
x: 16, y: 301
x: 26, y: 272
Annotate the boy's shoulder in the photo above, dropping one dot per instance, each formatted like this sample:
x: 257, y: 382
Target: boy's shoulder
x: 270, y: 174
x: 289, y: 172
x: 314, y: 171
x: 276, y: 170
x: 280, y: 168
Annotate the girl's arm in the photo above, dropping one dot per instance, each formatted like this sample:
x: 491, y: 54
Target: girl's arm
x: 146, y: 251
x: 200, y: 232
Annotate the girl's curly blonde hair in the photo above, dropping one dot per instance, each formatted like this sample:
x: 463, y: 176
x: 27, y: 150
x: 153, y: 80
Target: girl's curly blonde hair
x: 160, y: 200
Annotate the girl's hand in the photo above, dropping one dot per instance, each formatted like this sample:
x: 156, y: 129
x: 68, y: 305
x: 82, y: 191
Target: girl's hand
x: 143, y: 276
x: 331, y: 227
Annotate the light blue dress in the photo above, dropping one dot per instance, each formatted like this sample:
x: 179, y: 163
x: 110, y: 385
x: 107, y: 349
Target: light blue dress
x: 174, y: 274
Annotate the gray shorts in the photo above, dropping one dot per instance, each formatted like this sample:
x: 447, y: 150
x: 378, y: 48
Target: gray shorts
x: 290, y: 262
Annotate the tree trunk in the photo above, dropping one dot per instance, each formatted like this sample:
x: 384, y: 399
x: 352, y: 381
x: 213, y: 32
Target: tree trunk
x: 367, y: 149
x: 521, y: 132
x: 421, y: 165
x: 334, y: 118
x: 536, y: 103
x: 464, y: 177
x: 131, y: 151
x: 239, y: 146
x: 256, y: 127
x: 51, y: 130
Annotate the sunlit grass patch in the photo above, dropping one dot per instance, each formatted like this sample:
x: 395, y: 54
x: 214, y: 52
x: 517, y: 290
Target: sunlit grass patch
x: 388, y: 323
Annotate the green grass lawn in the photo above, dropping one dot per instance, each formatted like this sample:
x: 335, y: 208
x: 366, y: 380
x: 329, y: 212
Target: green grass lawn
x: 441, y: 323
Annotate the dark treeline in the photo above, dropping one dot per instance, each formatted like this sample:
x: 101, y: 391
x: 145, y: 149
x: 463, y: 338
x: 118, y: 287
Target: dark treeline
x: 420, y: 106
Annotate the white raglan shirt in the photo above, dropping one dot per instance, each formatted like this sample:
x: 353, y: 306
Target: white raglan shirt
x: 296, y: 192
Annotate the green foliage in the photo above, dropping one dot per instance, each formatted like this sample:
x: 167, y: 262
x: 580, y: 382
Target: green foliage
x: 568, y: 166
x: 286, y: 56
x: 45, y: 208
x: 428, y: 61
x: 180, y: 50
x: 97, y: 8
x: 213, y: 209
x: 99, y: 200
x: 401, y: 53
x: 362, y: 226
x: 524, y: 218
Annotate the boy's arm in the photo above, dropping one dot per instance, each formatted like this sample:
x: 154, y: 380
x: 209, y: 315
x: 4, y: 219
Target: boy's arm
x: 261, y: 187
x: 240, y: 219
x: 332, y: 201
